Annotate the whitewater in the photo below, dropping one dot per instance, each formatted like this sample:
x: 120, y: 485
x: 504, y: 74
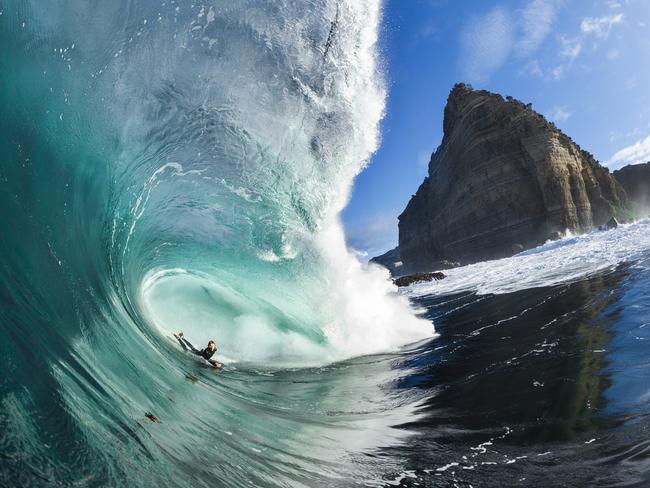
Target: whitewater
x: 169, y: 166
x: 563, y: 261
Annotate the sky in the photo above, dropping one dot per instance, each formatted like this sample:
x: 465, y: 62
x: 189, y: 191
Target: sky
x: 584, y: 64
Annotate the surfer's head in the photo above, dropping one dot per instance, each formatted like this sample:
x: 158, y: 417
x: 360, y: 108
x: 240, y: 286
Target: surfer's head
x: 212, y: 346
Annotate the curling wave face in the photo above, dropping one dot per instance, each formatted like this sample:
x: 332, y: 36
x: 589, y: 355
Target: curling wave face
x: 241, y: 143
x: 171, y: 166
x: 224, y: 140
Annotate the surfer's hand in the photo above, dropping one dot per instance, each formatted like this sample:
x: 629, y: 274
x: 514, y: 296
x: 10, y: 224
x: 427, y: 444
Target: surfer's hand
x: 217, y: 365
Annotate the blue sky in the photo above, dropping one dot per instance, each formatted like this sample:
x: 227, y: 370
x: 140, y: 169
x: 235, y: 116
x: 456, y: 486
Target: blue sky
x: 584, y: 64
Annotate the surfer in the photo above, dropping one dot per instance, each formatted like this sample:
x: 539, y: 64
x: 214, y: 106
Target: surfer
x: 206, y: 353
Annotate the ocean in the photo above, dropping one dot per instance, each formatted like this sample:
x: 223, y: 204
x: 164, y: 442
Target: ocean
x: 168, y: 166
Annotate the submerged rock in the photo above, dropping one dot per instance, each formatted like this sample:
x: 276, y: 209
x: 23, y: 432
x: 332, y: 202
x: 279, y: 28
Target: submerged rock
x: 393, y: 262
x: 417, y: 277
x: 612, y: 223
x: 446, y: 264
x: 503, y: 179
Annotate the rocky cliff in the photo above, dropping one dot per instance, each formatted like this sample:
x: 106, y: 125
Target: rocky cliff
x: 503, y: 179
x: 636, y: 181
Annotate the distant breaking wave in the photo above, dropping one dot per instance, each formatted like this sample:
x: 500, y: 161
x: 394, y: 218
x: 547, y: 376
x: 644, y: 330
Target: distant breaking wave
x: 570, y: 259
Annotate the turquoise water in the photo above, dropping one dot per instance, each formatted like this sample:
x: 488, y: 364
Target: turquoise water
x: 169, y: 166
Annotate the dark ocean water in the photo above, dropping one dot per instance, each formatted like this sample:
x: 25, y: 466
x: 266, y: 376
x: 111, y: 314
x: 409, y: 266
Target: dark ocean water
x: 542, y: 387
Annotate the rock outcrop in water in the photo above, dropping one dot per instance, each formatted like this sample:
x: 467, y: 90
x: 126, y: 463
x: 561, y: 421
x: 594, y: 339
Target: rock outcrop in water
x: 419, y: 277
x: 393, y: 261
x: 636, y: 181
x: 503, y: 179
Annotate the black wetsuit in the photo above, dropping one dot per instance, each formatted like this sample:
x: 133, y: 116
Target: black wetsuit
x: 204, y: 353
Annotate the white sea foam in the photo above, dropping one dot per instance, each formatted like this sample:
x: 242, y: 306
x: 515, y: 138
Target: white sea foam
x: 369, y: 316
x: 562, y: 261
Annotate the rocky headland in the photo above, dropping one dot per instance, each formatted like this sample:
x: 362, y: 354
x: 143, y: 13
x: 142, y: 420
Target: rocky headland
x: 504, y: 179
x: 636, y: 181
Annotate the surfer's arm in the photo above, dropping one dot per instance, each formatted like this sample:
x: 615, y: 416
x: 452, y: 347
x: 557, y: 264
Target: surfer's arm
x: 180, y: 341
x: 214, y: 363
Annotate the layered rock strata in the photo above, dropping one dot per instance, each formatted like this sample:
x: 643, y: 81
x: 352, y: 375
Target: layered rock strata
x: 503, y: 179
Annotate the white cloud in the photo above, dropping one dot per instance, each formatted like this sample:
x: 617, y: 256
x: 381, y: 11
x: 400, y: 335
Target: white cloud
x: 570, y: 47
x: 486, y: 42
x: 600, y: 26
x: 558, y: 72
x: 637, y: 153
x: 615, y: 135
x: 560, y: 114
x: 532, y: 68
x: 536, y: 22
